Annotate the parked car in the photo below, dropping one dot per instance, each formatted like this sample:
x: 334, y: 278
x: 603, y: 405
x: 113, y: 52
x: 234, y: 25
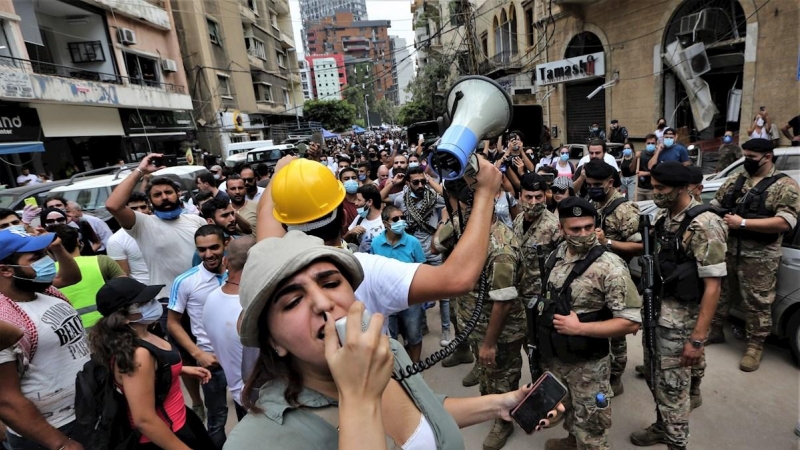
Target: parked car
x: 15, y: 198
x: 270, y: 155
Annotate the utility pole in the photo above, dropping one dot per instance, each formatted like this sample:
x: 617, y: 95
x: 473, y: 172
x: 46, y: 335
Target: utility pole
x: 466, y: 10
x: 366, y: 109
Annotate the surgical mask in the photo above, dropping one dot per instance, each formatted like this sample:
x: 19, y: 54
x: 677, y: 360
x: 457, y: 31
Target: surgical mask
x: 595, y: 129
x: 627, y: 152
x: 751, y: 166
x: 150, y: 311
x: 168, y: 215
x: 216, y: 176
x: 44, y: 268
x: 565, y: 156
x: 727, y: 139
x: 399, y: 227
x: 17, y: 229
x: 363, y: 211
x: 669, y: 142
x: 664, y: 200
x: 533, y: 210
x: 412, y: 165
x: 362, y: 177
x: 597, y: 194
x: 760, y: 122
x: 650, y: 148
x: 351, y: 186
x: 581, y: 244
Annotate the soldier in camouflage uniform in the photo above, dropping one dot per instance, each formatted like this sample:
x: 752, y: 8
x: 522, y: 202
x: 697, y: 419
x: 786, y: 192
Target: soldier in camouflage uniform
x: 497, y: 338
x: 601, y: 303
x: 756, y: 224
x: 618, y: 231
x: 687, y: 302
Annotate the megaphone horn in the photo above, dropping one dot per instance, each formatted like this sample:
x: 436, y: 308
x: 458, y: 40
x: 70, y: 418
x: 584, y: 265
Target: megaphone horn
x: 479, y: 108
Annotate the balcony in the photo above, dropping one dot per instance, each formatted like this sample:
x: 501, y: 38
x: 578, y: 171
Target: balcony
x: 501, y: 64
x: 280, y: 6
x: 286, y: 41
x: 151, y: 11
x: 256, y: 52
x: 247, y: 10
x: 41, y: 81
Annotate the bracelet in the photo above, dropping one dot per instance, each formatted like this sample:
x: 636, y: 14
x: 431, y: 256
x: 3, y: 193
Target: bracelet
x: 64, y: 445
x: 142, y: 173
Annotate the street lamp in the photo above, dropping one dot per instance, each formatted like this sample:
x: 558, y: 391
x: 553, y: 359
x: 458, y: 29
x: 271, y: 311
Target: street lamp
x: 366, y: 108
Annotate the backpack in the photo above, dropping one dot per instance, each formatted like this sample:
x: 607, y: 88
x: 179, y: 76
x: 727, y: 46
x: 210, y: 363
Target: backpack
x: 101, y: 411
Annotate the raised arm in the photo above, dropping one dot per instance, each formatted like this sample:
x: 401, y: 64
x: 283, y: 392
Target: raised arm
x: 117, y: 203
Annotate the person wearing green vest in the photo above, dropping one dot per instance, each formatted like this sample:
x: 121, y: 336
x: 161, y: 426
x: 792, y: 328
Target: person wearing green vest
x: 95, y: 271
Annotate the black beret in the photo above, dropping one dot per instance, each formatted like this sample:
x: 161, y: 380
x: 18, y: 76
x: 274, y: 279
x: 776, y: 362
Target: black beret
x: 696, y: 175
x: 598, y: 169
x: 671, y: 173
x: 759, y: 145
x: 575, y: 207
x: 533, y: 182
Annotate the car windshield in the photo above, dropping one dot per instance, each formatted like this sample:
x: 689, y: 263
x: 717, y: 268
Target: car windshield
x: 268, y: 155
x: 89, y: 199
x: 7, y: 200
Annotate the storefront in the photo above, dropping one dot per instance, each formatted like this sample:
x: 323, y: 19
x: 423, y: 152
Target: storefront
x: 241, y: 127
x: 20, y: 142
x: 148, y: 131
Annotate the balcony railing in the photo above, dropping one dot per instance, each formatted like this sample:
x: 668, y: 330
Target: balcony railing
x: 160, y: 3
x: 45, y: 68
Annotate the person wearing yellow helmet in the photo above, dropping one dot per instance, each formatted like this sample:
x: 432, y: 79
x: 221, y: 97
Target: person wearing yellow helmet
x: 307, y: 197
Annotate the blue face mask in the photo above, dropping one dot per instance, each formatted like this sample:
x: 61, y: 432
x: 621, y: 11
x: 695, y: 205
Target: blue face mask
x: 150, y: 311
x: 168, y: 215
x: 669, y: 142
x: 650, y: 148
x: 399, y: 227
x: 362, y: 177
x: 627, y: 152
x: 44, y: 268
x: 363, y: 211
x: 565, y: 156
x: 351, y: 186
x: 727, y: 139
x: 413, y: 164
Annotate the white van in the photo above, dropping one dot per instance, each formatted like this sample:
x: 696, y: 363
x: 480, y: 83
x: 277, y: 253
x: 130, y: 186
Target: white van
x: 243, y: 147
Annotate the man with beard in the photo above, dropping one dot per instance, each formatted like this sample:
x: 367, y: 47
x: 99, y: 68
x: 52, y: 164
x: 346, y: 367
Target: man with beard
x: 221, y: 213
x: 253, y: 190
x: 188, y: 295
x: 123, y: 249
x: 589, y: 298
x: 245, y: 210
x: 37, y: 374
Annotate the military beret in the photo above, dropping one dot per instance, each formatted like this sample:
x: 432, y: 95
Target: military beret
x: 759, y: 145
x: 671, y: 173
x: 598, y: 169
x: 696, y: 175
x: 575, y: 207
x: 533, y: 182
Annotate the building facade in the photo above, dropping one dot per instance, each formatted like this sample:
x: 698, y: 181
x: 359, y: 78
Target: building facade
x: 403, y: 70
x: 328, y: 76
x: 305, y: 79
x: 343, y: 34
x: 313, y: 11
x: 86, y: 83
x: 242, y: 68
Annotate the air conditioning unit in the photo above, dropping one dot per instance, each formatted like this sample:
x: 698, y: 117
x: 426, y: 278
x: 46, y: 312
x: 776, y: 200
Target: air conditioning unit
x: 696, y: 59
x: 695, y: 22
x: 126, y: 36
x: 169, y: 65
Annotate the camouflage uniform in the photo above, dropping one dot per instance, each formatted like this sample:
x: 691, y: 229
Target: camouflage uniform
x: 704, y: 241
x: 621, y: 225
x: 753, y: 266
x: 728, y: 154
x: 607, y: 283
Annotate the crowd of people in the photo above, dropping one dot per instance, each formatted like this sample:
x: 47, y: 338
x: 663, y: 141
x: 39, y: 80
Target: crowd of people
x: 235, y: 294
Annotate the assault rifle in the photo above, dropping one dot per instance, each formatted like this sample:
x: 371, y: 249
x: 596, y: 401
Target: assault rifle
x: 531, y: 313
x: 650, y: 315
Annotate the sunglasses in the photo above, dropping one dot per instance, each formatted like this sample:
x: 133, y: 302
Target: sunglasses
x: 248, y: 180
x: 396, y: 218
x: 556, y: 190
x: 419, y: 182
x: 55, y: 221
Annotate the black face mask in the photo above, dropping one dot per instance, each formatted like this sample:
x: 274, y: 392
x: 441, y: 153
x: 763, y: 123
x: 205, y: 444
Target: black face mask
x: 597, y: 194
x: 751, y: 166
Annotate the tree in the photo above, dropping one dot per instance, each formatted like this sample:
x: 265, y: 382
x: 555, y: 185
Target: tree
x: 413, y: 112
x: 432, y: 79
x: 387, y: 110
x: 335, y: 115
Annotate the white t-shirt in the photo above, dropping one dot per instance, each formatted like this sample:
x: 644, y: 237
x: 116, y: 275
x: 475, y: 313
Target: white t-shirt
x: 258, y: 195
x: 386, y: 284
x: 49, y: 381
x: 189, y: 293
x: 167, y: 246
x: 29, y: 178
x: 373, y: 227
x: 121, y: 246
x: 220, y: 314
x: 607, y: 158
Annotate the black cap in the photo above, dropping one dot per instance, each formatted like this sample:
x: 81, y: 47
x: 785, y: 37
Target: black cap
x: 120, y: 292
x: 696, y: 175
x: 670, y: 130
x: 614, y: 121
x: 533, y: 182
x: 671, y: 173
x: 575, y: 207
x: 598, y: 169
x: 759, y: 145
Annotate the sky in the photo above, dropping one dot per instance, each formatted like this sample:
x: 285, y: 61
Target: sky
x: 398, y: 11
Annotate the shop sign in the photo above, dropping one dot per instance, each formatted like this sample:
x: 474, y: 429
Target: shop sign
x: 15, y: 83
x: 572, y: 69
x: 239, y: 121
x: 148, y: 121
x: 19, y: 124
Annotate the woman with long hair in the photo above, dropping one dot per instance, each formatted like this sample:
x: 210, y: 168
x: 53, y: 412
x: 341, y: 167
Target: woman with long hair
x: 292, y: 291
x: 122, y: 342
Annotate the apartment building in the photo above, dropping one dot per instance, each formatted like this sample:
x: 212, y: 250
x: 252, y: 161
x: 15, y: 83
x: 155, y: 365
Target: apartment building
x: 305, y: 79
x: 365, y: 39
x: 312, y: 11
x: 241, y: 67
x: 328, y: 76
x: 86, y: 83
x: 402, y: 71
x: 439, y: 30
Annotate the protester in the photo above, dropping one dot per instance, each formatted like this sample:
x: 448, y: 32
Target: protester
x: 628, y: 171
x: 101, y: 229
x: 27, y: 178
x: 10, y: 220
x: 368, y: 224
x: 55, y: 213
x: 123, y: 249
x: 644, y: 188
x: 669, y: 150
x: 206, y: 182
x: 249, y: 177
x: 563, y: 165
x: 794, y: 134
x: 244, y: 209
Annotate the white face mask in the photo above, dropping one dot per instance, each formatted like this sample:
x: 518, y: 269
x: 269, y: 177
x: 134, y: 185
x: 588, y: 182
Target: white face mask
x: 760, y: 122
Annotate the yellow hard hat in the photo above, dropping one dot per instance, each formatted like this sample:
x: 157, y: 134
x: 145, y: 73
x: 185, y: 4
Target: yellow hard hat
x: 305, y: 191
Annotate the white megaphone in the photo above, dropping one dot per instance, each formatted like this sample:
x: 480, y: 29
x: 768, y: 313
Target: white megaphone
x: 479, y: 108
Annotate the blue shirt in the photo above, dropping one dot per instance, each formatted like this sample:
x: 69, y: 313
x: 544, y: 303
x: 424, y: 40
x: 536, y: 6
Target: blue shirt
x: 406, y: 249
x: 675, y: 153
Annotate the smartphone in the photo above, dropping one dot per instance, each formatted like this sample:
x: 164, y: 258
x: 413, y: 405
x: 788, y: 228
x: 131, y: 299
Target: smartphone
x: 31, y: 201
x: 547, y: 393
x: 341, y: 326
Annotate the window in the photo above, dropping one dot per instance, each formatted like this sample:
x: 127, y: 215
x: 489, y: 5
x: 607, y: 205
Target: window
x: 529, y: 26
x: 5, y: 45
x: 263, y: 92
x: 255, y: 48
x: 286, y: 97
x: 224, y: 86
x: 273, y: 19
x: 141, y: 70
x: 281, y: 58
x: 213, y: 32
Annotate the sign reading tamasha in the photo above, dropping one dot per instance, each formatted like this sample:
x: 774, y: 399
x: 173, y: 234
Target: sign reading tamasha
x: 572, y: 69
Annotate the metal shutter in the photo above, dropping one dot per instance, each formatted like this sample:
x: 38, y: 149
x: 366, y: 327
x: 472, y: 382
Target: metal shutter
x: 582, y: 112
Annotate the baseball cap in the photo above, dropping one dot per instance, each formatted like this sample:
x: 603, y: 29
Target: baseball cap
x: 123, y: 291
x: 271, y: 261
x: 563, y: 183
x: 12, y: 241
x: 216, y: 168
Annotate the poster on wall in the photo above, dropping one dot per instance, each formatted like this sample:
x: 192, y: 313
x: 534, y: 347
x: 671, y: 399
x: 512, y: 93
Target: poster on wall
x: 15, y: 84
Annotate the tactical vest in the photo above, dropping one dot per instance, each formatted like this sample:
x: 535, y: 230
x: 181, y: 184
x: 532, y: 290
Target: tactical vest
x: 751, y: 205
x: 552, y: 344
x: 600, y: 220
x: 677, y: 271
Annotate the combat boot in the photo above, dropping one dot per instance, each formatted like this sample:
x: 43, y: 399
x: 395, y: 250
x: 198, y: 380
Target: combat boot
x: 568, y: 443
x: 752, y: 358
x: 652, y: 435
x: 696, y: 398
x: 471, y: 379
x: 499, y: 435
x: 462, y: 355
x: 616, y: 386
x: 716, y: 335
x: 641, y: 370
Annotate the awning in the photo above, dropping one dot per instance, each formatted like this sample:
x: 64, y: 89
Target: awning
x: 79, y: 121
x: 8, y: 148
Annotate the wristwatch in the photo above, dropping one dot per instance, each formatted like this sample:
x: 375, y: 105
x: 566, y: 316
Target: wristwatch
x: 742, y: 225
x: 697, y: 343
x: 609, y: 242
